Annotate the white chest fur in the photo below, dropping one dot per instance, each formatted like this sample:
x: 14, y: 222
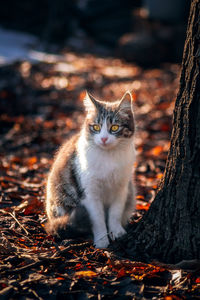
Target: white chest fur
x: 105, y: 176
x: 95, y: 163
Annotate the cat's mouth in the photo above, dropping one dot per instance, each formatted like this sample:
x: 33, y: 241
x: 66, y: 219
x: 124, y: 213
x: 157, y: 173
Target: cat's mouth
x: 106, y: 145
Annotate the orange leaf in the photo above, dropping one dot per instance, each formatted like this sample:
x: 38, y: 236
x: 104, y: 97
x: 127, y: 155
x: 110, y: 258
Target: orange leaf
x: 159, y: 175
x: 15, y: 159
x: 134, y: 96
x: 60, y: 278
x: 32, y: 160
x: 69, y: 123
x: 89, y: 274
x: 163, y: 106
x: 173, y: 297
x: 78, y: 266
x: 143, y: 207
x: 140, y: 197
x: 138, y: 277
x: 139, y: 149
x: 48, y: 124
x: 157, y: 150
x: 82, y: 95
x: 121, y: 273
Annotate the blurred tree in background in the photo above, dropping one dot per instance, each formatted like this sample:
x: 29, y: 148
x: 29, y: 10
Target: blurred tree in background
x: 147, y: 32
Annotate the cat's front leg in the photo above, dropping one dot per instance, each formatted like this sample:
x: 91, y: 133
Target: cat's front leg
x: 97, y: 216
x: 115, y: 218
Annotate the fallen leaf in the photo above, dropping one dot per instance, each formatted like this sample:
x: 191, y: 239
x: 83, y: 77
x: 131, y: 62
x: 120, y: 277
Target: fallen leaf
x: 89, y: 274
x: 173, y: 297
x: 121, y: 273
x: 140, y: 197
x: 82, y: 95
x: 156, y: 150
x: 134, y: 96
x: 143, y: 206
x: 165, y: 127
x: 34, y: 206
x: 31, y: 161
x: 159, y: 175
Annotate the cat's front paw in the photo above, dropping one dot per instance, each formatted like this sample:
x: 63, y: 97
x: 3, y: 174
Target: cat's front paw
x: 117, y: 232
x: 102, y: 242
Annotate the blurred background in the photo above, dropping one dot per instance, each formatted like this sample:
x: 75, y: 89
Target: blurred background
x: 146, y: 32
x: 52, y: 51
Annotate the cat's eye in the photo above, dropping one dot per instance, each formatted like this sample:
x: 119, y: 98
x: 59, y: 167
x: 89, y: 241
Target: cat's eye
x: 114, y: 128
x: 96, y: 127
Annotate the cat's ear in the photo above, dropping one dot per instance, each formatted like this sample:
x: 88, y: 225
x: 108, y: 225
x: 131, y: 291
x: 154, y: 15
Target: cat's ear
x: 126, y: 103
x: 90, y: 103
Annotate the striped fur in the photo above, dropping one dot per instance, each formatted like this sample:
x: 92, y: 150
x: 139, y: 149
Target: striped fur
x: 89, y: 188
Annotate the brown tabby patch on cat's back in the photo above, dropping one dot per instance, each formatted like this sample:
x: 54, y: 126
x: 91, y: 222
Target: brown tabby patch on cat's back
x: 63, y: 182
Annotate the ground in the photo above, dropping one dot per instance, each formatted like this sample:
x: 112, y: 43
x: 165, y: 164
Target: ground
x: 41, y: 106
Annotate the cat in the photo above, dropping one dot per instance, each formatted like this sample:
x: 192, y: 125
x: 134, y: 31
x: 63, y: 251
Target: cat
x: 90, y: 186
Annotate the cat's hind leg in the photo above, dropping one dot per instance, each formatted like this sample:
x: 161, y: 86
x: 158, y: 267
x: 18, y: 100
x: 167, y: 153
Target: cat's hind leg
x: 69, y: 223
x: 80, y: 222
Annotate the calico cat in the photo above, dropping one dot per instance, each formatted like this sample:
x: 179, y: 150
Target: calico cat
x: 89, y: 188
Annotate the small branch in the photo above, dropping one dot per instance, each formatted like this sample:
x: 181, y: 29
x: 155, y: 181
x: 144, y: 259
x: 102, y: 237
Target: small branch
x: 71, y: 247
x: 11, y: 214
x: 35, y: 294
x: 27, y: 233
x: 19, y: 270
x: 6, y: 292
x: 40, y: 261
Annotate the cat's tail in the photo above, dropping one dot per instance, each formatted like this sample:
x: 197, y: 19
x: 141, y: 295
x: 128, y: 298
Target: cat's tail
x: 56, y: 225
x: 61, y: 228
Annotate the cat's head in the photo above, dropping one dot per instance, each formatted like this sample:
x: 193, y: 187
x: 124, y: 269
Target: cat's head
x: 109, y: 124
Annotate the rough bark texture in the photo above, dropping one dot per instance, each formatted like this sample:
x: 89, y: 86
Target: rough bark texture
x: 170, y: 231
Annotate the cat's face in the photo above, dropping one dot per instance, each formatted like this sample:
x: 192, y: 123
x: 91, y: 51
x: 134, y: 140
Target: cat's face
x: 109, y: 124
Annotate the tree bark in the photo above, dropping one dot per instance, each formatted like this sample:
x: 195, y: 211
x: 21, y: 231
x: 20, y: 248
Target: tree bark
x: 170, y: 231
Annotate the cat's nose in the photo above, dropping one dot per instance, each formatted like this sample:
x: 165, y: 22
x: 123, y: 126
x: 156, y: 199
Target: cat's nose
x: 104, y: 139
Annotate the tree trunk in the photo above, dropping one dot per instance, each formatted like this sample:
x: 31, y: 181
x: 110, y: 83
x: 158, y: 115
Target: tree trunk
x: 170, y: 231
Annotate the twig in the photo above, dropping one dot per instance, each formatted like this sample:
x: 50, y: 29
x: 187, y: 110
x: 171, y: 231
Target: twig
x: 18, y: 270
x: 18, y: 223
x: 35, y: 294
x: 9, y: 213
x: 42, y: 260
x: 19, y: 182
x: 6, y: 291
x: 71, y: 247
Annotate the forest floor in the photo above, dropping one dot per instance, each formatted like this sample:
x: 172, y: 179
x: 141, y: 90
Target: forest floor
x: 40, y: 106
